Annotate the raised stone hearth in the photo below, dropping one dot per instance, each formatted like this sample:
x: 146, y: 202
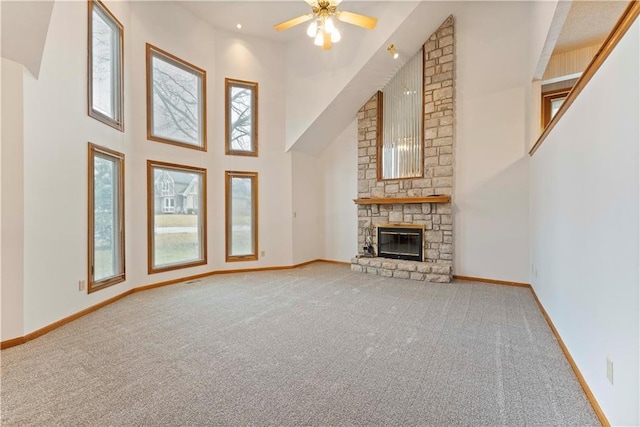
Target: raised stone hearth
x: 401, y: 269
x: 408, y: 207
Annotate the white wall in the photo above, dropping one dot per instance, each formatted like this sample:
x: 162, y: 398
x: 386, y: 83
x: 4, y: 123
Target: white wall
x: 340, y: 183
x: 308, y: 208
x: 222, y: 54
x: 57, y: 130
x: 25, y: 25
x: 263, y: 62
x: 495, y: 59
x: 12, y: 208
x: 585, y: 223
x: 497, y: 47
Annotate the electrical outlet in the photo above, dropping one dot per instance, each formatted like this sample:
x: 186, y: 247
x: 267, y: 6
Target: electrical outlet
x: 81, y: 285
x: 610, y: 370
x: 262, y: 253
x: 295, y: 214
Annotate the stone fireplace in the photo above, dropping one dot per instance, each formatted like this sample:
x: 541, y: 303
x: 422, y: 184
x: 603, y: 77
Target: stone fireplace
x: 417, y: 203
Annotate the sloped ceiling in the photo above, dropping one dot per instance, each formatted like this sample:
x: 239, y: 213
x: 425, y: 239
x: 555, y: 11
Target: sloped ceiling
x: 324, y: 89
x: 588, y: 23
x: 24, y: 31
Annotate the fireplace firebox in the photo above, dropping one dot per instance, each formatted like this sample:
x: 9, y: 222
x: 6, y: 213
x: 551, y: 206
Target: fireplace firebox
x: 400, y: 243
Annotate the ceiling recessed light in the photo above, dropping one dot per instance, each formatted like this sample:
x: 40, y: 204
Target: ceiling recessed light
x: 239, y: 26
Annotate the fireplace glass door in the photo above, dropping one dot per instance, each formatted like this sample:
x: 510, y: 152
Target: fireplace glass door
x: 400, y: 243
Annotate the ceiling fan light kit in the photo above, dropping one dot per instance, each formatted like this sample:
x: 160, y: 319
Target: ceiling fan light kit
x: 323, y: 29
x: 320, y: 29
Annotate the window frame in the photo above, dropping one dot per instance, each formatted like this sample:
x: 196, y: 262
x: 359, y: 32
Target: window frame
x: 229, y: 175
x: 119, y: 158
x: 230, y: 83
x: 151, y: 166
x: 547, y: 98
x: 153, y: 51
x: 118, y: 93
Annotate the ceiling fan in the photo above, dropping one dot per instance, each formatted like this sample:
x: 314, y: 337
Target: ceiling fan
x: 322, y: 29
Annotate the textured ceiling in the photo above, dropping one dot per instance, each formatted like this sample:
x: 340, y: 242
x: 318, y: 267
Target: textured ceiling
x: 259, y: 17
x: 588, y: 23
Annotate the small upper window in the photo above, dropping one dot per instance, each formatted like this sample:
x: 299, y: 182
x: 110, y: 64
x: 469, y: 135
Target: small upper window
x: 105, y: 66
x: 551, y: 103
x: 176, y: 101
x: 241, y: 117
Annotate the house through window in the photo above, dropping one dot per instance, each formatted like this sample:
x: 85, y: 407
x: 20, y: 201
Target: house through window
x: 176, y: 216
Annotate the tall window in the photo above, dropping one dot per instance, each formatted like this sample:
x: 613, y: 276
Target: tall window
x: 106, y: 218
x: 176, y: 216
x: 241, y: 117
x: 400, y: 153
x: 241, y: 216
x: 105, y: 66
x: 176, y: 100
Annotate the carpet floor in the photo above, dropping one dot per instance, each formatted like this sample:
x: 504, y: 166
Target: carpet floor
x: 316, y: 345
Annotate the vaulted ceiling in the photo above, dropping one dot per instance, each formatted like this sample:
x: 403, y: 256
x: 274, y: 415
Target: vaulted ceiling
x: 324, y: 89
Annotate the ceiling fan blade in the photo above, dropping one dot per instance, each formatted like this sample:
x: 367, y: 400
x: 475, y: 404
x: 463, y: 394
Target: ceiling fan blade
x: 293, y: 22
x: 357, y: 19
x: 312, y: 3
x: 326, y: 41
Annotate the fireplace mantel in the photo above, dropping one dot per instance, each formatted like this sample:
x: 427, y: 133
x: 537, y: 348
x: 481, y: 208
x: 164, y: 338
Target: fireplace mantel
x: 403, y: 200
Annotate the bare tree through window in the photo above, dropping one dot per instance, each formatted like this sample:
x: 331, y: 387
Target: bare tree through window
x: 241, y: 117
x: 105, y: 66
x: 176, y: 100
x: 176, y: 216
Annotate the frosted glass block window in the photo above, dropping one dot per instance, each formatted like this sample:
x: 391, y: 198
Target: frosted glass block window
x: 176, y: 104
x: 106, y: 218
x: 402, y: 121
x: 241, y: 217
x: 176, y: 216
x: 105, y: 66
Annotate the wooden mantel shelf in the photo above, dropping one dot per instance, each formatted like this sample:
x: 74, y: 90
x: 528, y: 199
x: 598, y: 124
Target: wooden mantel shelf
x: 403, y: 200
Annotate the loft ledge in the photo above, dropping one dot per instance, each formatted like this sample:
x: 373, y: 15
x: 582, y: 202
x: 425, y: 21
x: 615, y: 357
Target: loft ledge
x: 403, y: 200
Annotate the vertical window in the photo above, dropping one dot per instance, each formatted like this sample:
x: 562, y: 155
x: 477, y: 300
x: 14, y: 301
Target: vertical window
x: 106, y: 218
x: 176, y: 216
x: 176, y: 100
x: 241, y: 117
x: 241, y: 216
x: 105, y: 66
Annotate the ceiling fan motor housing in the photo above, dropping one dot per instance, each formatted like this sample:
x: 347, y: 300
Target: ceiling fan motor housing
x: 324, y: 8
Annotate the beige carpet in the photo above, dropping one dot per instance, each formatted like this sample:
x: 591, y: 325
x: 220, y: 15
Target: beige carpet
x: 316, y: 345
